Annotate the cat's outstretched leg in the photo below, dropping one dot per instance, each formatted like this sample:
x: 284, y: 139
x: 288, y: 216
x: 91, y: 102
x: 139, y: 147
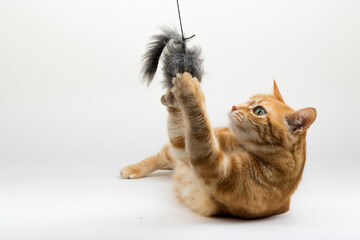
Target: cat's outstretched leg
x: 162, y: 160
x: 201, y: 144
x: 175, y: 126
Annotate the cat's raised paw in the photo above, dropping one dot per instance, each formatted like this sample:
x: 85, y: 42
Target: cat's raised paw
x: 169, y: 100
x: 185, y: 83
x: 187, y: 88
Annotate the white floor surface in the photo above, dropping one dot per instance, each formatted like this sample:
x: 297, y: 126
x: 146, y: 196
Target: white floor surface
x: 87, y: 199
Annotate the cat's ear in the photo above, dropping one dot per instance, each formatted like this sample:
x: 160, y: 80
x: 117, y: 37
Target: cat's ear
x: 301, y: 120
x: 277, y: 93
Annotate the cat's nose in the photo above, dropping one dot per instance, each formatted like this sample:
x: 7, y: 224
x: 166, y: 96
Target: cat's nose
x: 234, y: 108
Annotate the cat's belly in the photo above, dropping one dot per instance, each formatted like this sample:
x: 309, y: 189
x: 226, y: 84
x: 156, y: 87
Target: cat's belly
x: 190, y: 190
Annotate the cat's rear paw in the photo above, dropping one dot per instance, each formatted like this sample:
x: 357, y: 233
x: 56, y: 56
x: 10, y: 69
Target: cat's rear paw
x: 131, y: 172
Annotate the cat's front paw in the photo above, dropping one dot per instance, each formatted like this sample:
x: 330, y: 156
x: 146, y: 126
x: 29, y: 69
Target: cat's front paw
x: 169, y: 100
x: 187, y: 89
x: 131, y: 172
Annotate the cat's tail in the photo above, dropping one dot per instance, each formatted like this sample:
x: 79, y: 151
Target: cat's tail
x: 155, y: 49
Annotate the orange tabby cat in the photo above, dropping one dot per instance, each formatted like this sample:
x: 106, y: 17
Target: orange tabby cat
x: 248, y: 170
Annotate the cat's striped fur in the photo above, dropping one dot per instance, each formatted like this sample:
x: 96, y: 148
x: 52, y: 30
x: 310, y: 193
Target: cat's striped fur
x: 249, y: 169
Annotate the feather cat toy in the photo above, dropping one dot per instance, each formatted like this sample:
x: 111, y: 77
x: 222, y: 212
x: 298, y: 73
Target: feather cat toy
x: 177, y: 58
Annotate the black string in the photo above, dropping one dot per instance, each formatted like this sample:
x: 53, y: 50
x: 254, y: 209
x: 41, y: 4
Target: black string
x: 182, y: 32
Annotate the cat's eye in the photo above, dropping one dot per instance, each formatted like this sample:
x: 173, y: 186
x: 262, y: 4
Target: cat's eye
x: 259, y: 111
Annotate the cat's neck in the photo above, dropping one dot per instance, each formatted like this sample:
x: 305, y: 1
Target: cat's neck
x: 288, y: 159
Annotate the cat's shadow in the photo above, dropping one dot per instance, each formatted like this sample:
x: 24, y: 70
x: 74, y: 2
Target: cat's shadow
x: 232, y: 219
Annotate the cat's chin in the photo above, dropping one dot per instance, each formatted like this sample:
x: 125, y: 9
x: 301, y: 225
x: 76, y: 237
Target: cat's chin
x: 238, y: 132
x: 235, y: 123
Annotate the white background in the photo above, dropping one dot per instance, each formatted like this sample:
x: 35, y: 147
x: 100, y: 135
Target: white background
x: 73, y: 112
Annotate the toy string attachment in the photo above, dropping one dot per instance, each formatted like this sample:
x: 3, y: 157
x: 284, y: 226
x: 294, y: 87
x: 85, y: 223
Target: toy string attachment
x: 182, y: 32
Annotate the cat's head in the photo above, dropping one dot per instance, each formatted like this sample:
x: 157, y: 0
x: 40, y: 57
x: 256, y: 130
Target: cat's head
x: 265, y: 120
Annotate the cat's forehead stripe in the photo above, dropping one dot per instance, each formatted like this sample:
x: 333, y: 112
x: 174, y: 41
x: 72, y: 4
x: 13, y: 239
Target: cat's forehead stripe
x: 252, y: 102
x: 260, y: 98
x: 255, y: 101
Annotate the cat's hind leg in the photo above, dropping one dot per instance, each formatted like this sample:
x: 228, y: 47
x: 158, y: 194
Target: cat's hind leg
x: 161, y: 160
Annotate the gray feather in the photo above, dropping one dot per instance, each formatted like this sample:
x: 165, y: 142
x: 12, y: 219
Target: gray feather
x: 177, y: 58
